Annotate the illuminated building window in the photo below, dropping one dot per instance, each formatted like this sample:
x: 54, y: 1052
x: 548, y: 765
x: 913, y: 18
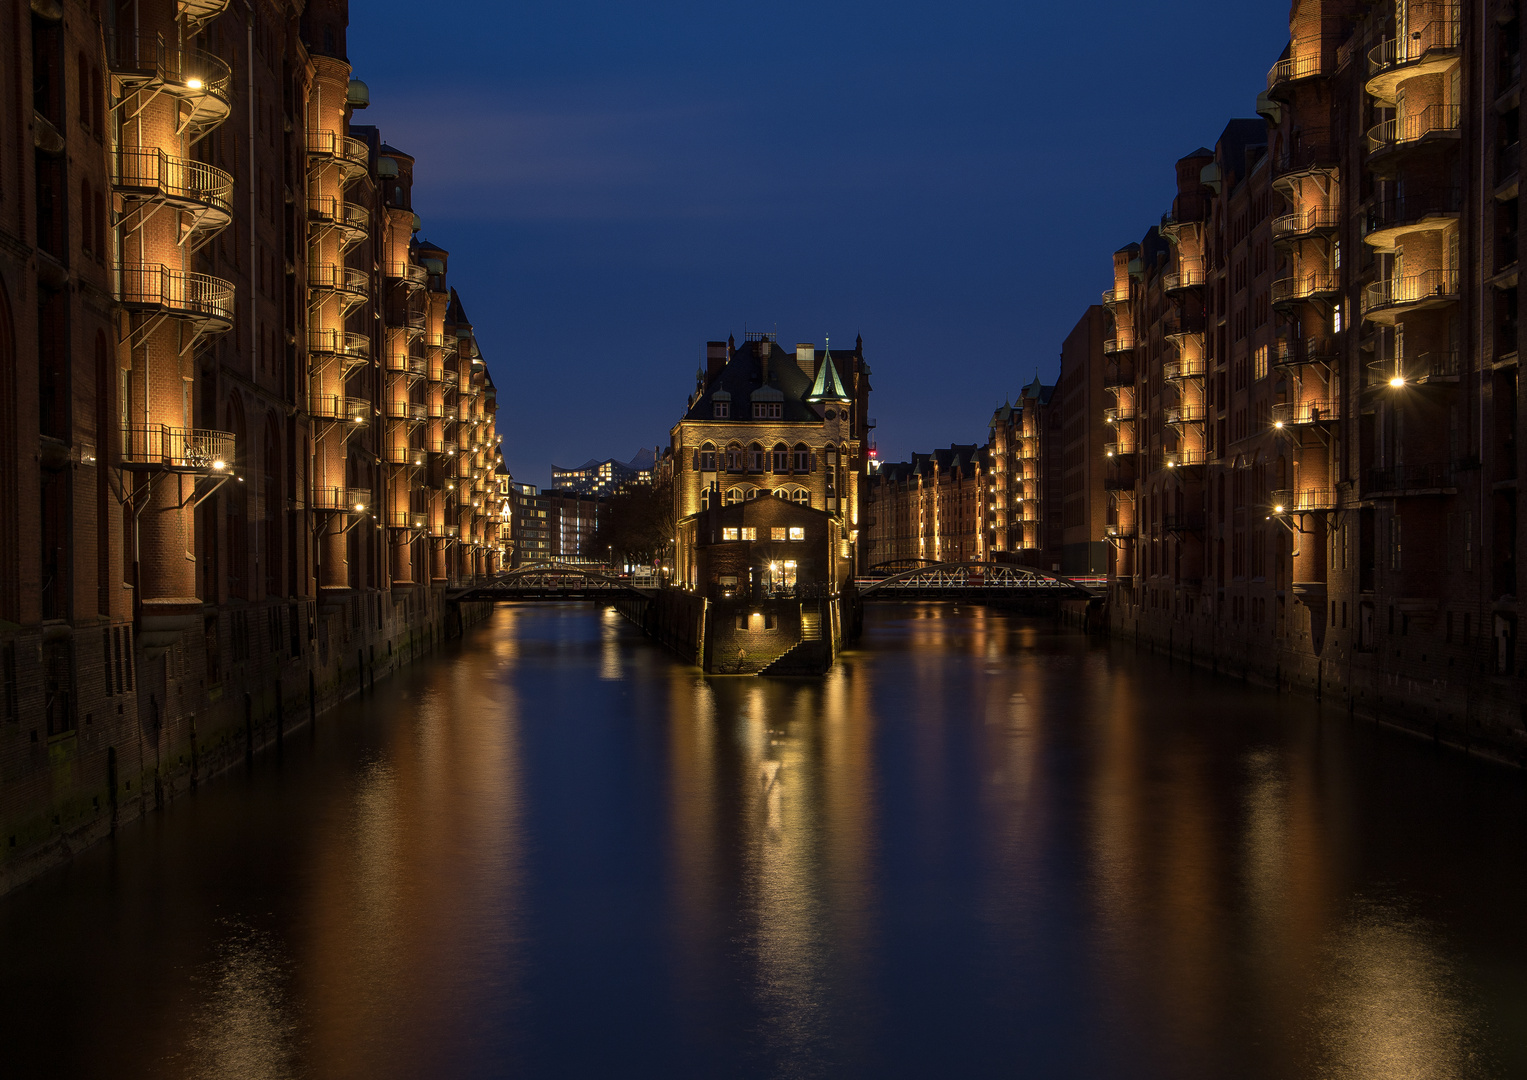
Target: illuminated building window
x: 797, y: 532
x: 777, y: 533
x: 749, y: 533
x: 729, y: 534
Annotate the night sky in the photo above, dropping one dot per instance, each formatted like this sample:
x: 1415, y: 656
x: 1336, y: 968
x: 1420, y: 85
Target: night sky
x: 618, y: 182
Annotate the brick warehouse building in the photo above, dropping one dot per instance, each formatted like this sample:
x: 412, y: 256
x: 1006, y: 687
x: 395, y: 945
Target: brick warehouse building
x: 934, y: 508
x: 1312, y: 366
x: 246, y: 437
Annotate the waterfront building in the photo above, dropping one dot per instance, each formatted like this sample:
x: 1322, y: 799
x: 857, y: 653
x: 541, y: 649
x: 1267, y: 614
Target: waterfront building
x: 1027, y: 467
x: 932, y: 508
x: 1084, y: 434
x: 573, y: 521
x: 247, y: 439
x: 1312, y: 363
x: 763, y: 422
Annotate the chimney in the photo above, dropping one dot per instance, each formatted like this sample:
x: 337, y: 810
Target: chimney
x: 715, y: 359
x: 762, y: 348
x: 806, y: 359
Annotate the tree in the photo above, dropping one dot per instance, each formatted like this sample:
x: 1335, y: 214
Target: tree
x: 638, y: 523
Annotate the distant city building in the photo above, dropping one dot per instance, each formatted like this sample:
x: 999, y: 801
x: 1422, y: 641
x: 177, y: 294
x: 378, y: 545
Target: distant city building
x: 605, y: 477
x: 531, y: 528
x: 572, y: 521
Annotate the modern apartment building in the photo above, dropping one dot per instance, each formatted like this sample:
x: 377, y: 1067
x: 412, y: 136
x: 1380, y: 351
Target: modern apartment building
x: 934, y: 508
x: 246, y: 437
x: 1312, y: 364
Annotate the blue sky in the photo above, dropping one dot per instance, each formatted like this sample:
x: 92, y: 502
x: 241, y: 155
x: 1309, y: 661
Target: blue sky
x: 619, y: 182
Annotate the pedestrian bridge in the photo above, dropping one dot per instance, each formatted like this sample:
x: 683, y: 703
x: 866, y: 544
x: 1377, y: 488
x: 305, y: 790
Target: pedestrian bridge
x: 971, y: 581
x: 557, y: 581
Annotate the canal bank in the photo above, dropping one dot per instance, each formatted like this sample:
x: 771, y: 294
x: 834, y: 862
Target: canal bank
x: 190, y: 709
x: 1464, y: 698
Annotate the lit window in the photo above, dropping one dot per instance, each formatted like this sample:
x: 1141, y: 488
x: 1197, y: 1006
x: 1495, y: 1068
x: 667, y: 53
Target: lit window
x: 797, y: 532
x: 749, y: 533
x: 776, y: 533
x: 729, y: 534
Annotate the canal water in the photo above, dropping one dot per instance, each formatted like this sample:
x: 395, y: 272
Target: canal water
x: 981, y: 846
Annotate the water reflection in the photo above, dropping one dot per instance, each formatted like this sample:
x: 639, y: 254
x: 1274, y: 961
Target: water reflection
x: 979, y: 846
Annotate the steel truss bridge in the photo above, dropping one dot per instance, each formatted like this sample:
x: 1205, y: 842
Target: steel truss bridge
x: 970, y: 581
x: 553, y: 581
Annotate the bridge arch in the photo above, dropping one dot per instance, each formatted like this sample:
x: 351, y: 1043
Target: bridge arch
x: 956, y: 579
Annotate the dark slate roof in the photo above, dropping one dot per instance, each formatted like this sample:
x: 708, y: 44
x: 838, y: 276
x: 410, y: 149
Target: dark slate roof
x: 743, y: 375
x: 455, y: 313
x: 957, y: 458
x: 425, y: 245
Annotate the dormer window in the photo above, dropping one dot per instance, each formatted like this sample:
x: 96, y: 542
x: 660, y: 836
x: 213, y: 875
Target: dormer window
x: 721, y: 409
x: 768, y: 410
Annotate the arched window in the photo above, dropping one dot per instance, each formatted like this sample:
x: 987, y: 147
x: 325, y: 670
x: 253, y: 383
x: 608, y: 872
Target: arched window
x: 802, y: 457
x: 755, y: 458
x: 708, y: 458
x: 735, y: 495
x: 750, y: 495
x: 800, y: 495
x: 781, y: 458
x: 97, y: 102
x: 87, y: 212
x: 734, y: 458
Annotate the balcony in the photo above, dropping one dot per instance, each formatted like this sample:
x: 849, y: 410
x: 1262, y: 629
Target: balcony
x: 1433, y: 123
x: 1432, y: 211
x: 1431, y: 50
x: 352, y: 155
x: 1410, y: 480
x: 1120, y: 532
x: 1180, y: 370
x: 351, y: 220
x: 1114, y: 297
x: 1304, y: 413
x: 1179, y: 325
x: 1121, y: 415
x: 1181, y: 459
x: 1386, y: 301
x: 340, y: 499
x: 352, y: 286
x: 1508, y: 166
x: 1303, y: 501
x: 1116, y: 376
x: 199, y: 189
x: 411, y: 411
x: 158, y: 448
x: 355, y: 348
x: 1119, y: 343
x: 1172, y: 229
x: 1294, y: 69
x: 403, y: 455
x: 1301, y: 351
x: 1120, y: 486
x: 1319, y: 221
x: 338, y: 409
x: 1179, y: 415
x: 200, y: 82
x: 450, y: 532
x: 198, y: 13
x: 1119, y: 451
x: 407, y: 519
x: 409, y: 274
x: 1191, y: 276
x: 1297, y: 162
x: 410, y: 321
x: 201, y: 298
x: 1313, y: 286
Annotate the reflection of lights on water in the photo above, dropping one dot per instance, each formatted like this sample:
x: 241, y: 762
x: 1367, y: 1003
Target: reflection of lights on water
x: 245, y: 1026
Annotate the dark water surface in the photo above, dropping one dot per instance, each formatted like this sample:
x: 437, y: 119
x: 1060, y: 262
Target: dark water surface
x: 979, y: 847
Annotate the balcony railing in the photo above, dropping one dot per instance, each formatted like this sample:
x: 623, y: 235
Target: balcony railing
x: 1438, y: 39
x: 1310, y: 158
x: 1120, y: 532
x: 341, y: 342
x: 1301, y: 413
x: 1181, y: 369
x: 407, y: 519
x: 1293, y: 69
x: 1303, y: 501
x: 1119, y: 415
x: 1115, y: 296
x: 328, y: 277
x: 1186, y: 277
x: 172, y: 449
x: 1118, y: 450
x: 407, y: 410
x: 1178, y: 459
x: 352, y: 154
x: 413, y: 321
x: 200, y: 80
x: 408, y: 272
x: 1401, y: 213
x: 200, y: 297
x: 188, y: 184
x: 351, y: 217
x: 1314, y: 350
x: 1119, y: 343
x: 1117, y: 376
x: 341, y: 499
x: 1181, y: 324
x: 1428, y: 287
x: 403, y: 455
x: 1303, y: 223
x: 1292, y: 290
x: 1431, y: 478
x: 339, y: 409
x: 1178, y: 415
x: 1401, y: 131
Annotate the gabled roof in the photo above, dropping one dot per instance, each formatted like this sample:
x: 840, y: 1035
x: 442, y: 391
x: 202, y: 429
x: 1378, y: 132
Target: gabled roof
x: 454, y: 312
x: 742, y: 376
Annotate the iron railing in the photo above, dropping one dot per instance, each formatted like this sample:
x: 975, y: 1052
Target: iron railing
x: 330, y: 277
x: 1302, y: 223
x: 1401, y: 130
x: 1312, y: 350
x: 159, y: 446
x: 1302, y: 500
x: 1400, y: 479
x: 1300, y: 413
x: 1294, y: 68
x: 176, y: 179
x: 1411, y: 289
x: 1305, y: 286
x: 1412, y: 207
x: 1440, y: 34
x: 177, y: 292
x: 341, y: 342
